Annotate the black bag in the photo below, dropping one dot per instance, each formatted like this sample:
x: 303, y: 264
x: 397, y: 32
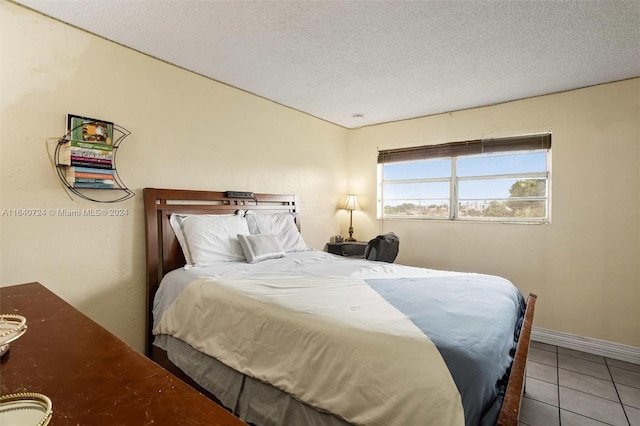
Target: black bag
x: 383, y: 248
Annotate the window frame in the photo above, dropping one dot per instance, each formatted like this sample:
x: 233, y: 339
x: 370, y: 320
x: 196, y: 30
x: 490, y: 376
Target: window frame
x: 453, y: 151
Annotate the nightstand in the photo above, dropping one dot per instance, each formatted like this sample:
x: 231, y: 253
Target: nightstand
x: 348, y: 248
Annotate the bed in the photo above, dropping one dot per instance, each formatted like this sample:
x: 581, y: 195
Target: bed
x: 283, y: 335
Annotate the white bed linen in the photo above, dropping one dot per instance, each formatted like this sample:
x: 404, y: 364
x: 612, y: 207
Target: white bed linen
x: 313, y: 265
x: 300, y: 264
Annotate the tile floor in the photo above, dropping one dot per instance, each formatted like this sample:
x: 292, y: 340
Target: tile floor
x: 572, y: 388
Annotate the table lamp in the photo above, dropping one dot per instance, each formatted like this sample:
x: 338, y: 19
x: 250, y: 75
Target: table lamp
x: 351, y: 205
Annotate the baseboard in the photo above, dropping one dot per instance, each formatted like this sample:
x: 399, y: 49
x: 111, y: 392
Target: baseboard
x: 587, y: 344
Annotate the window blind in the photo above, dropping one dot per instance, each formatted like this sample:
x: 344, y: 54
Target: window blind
x: 472, y: 147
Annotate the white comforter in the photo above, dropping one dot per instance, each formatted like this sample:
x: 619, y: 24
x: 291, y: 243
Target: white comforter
x: 333, y: 343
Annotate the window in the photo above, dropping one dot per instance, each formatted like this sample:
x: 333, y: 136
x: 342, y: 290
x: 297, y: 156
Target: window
x: 506, y: 180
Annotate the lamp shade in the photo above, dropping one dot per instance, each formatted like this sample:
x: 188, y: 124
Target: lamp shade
x: 352, y: 202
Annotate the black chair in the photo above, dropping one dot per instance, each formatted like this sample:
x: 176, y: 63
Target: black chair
x: 383, y: 248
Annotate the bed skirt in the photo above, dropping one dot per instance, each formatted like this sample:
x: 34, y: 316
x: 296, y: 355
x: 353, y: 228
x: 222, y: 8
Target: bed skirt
x: 253, y: 401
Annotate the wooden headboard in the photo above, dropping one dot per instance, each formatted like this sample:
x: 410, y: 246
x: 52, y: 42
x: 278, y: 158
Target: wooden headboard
x: 163, y: 250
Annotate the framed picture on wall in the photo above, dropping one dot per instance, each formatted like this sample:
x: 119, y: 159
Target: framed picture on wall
x: 89, y: 129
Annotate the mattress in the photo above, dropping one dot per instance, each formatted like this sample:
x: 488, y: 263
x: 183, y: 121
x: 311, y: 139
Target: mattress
x: 472, y: 320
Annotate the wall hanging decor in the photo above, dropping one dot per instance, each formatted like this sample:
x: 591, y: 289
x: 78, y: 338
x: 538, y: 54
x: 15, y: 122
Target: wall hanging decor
x: 85, y: 159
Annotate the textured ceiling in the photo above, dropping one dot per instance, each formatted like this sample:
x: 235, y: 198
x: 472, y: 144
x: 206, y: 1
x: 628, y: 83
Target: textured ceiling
x: 384, y: 60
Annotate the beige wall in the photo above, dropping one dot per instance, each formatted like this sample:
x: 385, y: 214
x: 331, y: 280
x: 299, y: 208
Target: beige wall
x: 190, y: 132
x: 186, y: 132
x: 584, y: 265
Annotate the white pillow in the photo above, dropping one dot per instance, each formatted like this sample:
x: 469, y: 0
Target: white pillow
x: 257, y: 248
x: 205, y: 239
x: 282, y: 225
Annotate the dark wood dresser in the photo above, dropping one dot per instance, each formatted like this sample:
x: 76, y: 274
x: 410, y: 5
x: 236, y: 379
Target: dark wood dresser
x: 91, y: 376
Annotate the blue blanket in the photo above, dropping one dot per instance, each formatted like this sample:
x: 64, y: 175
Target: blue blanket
x: 474, y: 321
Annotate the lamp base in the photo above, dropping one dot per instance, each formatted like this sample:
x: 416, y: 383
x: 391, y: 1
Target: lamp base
x: 350, y: 237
